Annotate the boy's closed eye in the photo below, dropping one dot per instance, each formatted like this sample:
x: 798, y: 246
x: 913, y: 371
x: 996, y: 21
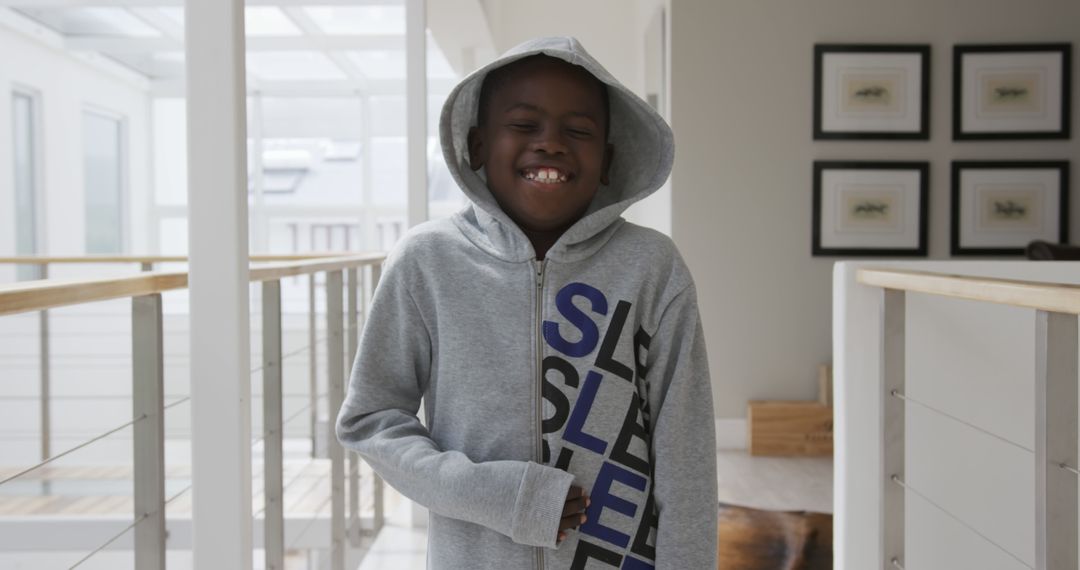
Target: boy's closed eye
x: 522, y: 126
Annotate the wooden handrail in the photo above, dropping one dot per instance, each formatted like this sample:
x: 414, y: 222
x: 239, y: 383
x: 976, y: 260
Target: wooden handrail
x: 1053, y: 297
x: 259, y: 258
x: 30, y: 296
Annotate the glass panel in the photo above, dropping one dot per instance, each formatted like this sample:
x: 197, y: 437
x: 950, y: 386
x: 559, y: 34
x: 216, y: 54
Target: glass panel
x: 358, y: 20
x: 311, y: 117
x: 98, y: 21
x: 444, y: 195
x: 268, y: 21
x: 292, y: 65
x: 170, y: 151
x: 155, y: 65
x: 388, y: 158
x: 380, y: 64
x: 173, y: 236
x: 23, y: 124
x: 388, y: 115
x: 103, y: 179
x: 437, y: 65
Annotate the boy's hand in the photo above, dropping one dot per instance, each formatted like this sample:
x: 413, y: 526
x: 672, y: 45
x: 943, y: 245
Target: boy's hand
x: 573, y: 513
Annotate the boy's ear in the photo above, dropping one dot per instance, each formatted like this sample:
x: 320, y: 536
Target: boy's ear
x: 476, y: 149
x: 605, y: 168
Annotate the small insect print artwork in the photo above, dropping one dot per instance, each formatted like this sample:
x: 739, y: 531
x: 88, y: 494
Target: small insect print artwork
x: 870, y: 208
x: 1019, y: 91
x: 1000, y: 207
x: 868, y: 91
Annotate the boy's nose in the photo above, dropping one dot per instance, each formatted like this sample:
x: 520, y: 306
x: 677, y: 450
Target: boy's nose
x: 549, y: 141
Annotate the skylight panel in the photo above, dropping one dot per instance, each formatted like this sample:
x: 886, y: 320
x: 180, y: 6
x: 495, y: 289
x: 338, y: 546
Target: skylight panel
x: 380, y: 64
x: 358, y: 20
x: 95, y: 21
x: 268, y: 21
x: 292, y: 65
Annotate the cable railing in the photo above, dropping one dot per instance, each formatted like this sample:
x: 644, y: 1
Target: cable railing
x: 344, y: 284
x: 1055, y: 454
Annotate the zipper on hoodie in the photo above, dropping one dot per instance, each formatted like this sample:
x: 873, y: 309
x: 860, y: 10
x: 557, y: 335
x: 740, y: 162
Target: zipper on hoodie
x: 540, y: 267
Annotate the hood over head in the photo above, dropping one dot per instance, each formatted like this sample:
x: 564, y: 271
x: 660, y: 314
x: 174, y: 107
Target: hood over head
x: 644, y: 153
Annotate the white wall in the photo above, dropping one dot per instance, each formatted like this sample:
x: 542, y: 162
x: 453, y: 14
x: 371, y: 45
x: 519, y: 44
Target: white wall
x: 741, y: 109
x: 972, y: 361
x: 67, y: 86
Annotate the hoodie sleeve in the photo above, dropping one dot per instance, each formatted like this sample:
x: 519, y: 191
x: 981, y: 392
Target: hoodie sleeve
x: 522, y: 500
x: 684, y: 439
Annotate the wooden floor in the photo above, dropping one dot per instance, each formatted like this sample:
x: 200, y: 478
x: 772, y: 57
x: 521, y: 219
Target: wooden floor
x: 307, y: 491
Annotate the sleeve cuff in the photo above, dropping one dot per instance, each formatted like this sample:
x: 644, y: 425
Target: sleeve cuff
x: 539, y: 505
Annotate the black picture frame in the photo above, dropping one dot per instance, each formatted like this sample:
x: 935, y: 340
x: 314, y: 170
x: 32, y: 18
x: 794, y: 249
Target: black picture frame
x: 957, y: 205
x: 823, y: 132
x: 960, y: 92
x: 818, y: 249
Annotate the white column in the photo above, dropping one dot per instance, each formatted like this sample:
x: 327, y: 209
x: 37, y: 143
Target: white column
x: 416, y: 108
x: 416, y: 119
x: 218, y: 250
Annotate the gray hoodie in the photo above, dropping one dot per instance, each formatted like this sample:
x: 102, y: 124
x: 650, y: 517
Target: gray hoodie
x: 587, y: 368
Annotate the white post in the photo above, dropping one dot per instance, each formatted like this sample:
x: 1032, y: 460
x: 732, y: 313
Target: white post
x: 416, y: 120
x: 218, y: 283
x: 892, y: 428
x: 1055, y: 440
x: 416, y: 109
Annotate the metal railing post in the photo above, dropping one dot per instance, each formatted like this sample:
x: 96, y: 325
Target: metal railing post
x: 273, y: 492
x: 377, y: 482
x: 148, y: 401
x: 335, y: 368
x: 892, y: 433
x: 1055, y: 440
x: 313, y: 362
x: 44, y: 368
x: 352, y: 336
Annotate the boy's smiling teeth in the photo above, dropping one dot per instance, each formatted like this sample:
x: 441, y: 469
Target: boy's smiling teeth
x: 545, y: 175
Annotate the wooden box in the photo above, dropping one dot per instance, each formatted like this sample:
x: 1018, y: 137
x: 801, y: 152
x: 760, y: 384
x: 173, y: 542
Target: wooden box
x: 789, y: 428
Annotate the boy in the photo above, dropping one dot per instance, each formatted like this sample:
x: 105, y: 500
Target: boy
x: 557, y: 348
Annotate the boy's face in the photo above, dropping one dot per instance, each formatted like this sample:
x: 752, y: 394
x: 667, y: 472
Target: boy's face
x: 543, y: 143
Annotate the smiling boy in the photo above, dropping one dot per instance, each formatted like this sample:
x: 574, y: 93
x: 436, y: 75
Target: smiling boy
x: 557, y: 347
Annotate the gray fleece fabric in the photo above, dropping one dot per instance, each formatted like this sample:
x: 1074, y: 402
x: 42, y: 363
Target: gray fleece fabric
x: 587, y: 368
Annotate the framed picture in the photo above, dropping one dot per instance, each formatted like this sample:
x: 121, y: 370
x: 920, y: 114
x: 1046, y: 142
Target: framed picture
x: 870, y: 208
x: 865, y: 91
x: 1000, y: 207
x: 1011, y: 91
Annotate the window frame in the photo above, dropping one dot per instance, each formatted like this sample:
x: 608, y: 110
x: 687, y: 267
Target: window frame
x: 37, y: 159
x: 124, y: 165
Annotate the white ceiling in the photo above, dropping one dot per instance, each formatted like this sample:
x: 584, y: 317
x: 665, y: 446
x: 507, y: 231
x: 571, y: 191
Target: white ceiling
x: 293, y: 46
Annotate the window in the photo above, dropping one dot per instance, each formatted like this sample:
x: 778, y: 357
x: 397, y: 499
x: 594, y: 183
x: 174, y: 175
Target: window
x: 103, y: 177
x: 24, y: 126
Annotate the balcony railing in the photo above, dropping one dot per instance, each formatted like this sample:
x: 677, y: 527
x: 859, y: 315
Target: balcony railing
x: 1056, y: 444
x: 349, y: 279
